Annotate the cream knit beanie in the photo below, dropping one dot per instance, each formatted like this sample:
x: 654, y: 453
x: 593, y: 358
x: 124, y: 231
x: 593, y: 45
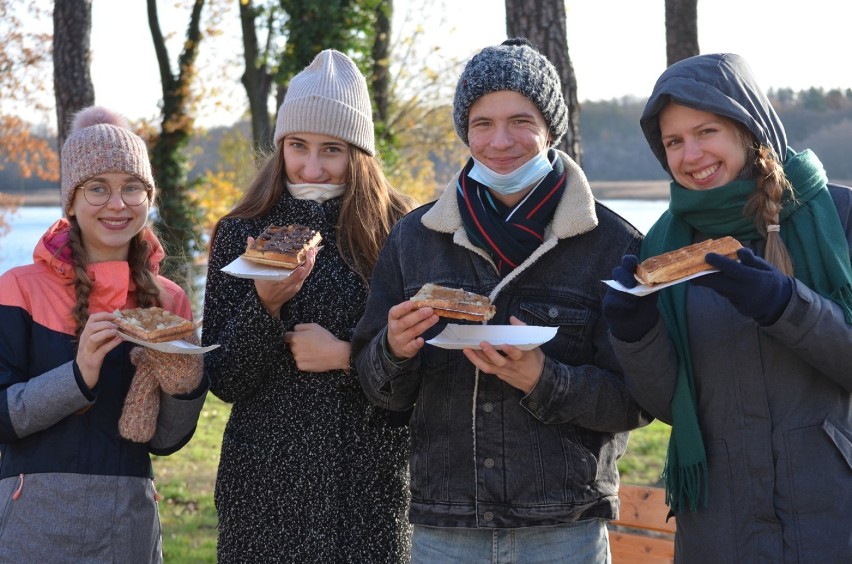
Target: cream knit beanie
x: 101, y: 141
x: 329, y: 97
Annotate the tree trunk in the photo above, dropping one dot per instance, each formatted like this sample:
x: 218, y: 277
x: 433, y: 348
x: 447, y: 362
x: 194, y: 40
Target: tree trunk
x: 381, y: 74
x: 72, y: 81
x: 177, y: 220
x: 543, y: 23
x: 256, y: 78
x: 681, y: 30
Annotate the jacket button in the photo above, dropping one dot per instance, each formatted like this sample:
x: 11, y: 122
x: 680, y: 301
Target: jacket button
x: 488, y: 516
x: 488, y: 407
x: 553, y: 312
x: 489, y: 463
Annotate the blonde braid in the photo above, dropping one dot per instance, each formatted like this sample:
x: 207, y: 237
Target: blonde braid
x: 765, y: 205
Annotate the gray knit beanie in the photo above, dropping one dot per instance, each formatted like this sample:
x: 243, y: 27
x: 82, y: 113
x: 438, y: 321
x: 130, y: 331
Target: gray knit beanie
x: 513, y: 65
x: 329, y: 97
x: 101, y: 141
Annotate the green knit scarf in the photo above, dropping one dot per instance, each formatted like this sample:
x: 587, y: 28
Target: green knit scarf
x: 811, y: 230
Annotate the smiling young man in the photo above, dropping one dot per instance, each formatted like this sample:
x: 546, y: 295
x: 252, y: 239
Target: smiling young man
x: 513, y: 452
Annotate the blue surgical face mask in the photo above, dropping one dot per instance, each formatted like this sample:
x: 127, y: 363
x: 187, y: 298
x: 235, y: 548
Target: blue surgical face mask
x: 522, y: 177
x: 315, y: 192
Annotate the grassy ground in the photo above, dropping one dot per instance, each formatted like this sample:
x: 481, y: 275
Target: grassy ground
x: 185, y: 482
x: 646, y: 452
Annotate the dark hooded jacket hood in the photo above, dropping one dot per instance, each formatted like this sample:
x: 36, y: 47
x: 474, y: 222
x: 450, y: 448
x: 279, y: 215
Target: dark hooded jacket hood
x: 721, y: 83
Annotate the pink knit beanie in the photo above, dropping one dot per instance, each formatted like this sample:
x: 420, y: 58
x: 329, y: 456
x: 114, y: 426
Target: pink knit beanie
x: 101, y: 141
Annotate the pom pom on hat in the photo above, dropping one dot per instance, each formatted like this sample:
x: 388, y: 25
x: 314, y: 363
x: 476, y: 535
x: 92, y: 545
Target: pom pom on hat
x: 329, y: 97
x: 101, y: 141
x: 94, y: 115
x: 513, y: 65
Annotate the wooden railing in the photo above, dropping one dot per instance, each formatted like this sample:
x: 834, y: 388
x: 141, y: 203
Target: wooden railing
x: 642, y: 535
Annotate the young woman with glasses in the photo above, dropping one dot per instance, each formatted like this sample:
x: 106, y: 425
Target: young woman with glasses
x: 76, y: 429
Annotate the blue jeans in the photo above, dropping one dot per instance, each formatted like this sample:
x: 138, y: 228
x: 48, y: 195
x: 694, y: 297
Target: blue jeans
x: 583, y: 542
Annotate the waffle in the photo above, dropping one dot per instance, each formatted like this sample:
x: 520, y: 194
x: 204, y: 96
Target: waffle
x: 685, y: 261
x: 285, y: 247
x: 153, y: 324
x: 454, y: 303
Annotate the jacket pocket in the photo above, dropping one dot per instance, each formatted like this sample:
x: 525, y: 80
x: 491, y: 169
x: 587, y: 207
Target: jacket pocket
x: 575, y: 322
x: 819, y: 466
x: 840, y: 440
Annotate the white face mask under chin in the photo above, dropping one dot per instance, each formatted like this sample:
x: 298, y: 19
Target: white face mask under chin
x: 316, y: 192
x: 522, y: 177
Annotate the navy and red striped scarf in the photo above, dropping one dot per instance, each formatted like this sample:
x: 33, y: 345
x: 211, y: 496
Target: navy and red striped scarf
x: 509, y: 235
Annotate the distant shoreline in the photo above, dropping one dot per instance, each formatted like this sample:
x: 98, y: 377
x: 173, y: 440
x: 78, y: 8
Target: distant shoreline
x: 631, y: 190
x: 604, y: 190
x: 46, y: 197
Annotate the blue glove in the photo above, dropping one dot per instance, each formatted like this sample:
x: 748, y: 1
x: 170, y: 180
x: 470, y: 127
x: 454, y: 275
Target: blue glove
x: 629, y: 317
x: 756, y: 288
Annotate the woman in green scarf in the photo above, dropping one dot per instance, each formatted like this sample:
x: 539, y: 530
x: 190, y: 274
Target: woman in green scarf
x: 751, y: 365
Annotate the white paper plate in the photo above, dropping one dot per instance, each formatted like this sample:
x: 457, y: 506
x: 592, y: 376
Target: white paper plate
x: 524, y: 337
x: 178, y: 346
x: 242, y: 268
x: 644, y: 290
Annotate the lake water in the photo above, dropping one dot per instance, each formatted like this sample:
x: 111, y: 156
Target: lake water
x: 30, y: 222
x: 28, y: 225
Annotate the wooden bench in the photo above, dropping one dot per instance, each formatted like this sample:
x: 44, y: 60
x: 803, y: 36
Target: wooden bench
x: 642, y: 535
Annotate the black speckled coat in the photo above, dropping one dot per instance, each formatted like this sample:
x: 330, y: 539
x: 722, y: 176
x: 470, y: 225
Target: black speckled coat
x: 306, y: 472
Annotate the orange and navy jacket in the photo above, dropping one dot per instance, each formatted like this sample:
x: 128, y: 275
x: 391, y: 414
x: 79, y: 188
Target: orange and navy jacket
x: 44, y: 423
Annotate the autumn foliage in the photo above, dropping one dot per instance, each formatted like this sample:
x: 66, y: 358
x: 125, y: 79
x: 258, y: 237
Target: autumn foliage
x: 25, y: 49
x: 33, y: 155
x: 8, y: 206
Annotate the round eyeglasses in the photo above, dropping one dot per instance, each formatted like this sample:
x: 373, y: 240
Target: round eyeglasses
x: 98, y: 193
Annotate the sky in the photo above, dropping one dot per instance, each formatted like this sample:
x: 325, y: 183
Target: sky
x: 617, y: 47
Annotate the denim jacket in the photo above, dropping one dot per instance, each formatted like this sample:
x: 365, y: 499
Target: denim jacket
x: 484, y: 454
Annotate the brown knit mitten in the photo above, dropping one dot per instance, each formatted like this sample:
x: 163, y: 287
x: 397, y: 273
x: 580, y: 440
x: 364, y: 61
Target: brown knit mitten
x: 138, y: 420
x: 177, y: 373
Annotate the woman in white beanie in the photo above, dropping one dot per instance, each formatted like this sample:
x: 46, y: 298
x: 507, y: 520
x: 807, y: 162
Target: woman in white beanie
x: 309, y: 471
x: 77, y: 420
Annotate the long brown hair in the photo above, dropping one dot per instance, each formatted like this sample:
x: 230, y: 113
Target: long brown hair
x: 370, y: 208
x: 147, y: 288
